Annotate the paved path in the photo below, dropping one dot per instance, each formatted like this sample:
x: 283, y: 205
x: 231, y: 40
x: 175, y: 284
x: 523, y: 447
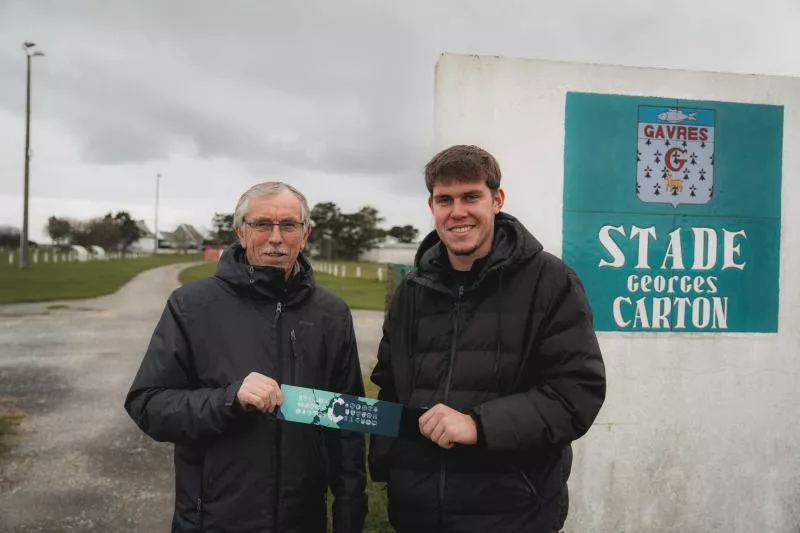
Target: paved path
x: 79, y: 463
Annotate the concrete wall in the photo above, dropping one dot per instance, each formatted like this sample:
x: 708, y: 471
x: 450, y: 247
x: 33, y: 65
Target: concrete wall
x: 700, y: 431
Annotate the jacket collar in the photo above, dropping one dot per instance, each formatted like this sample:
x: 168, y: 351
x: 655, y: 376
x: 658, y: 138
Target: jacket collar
x: 512, y: 246
x: 265, y: 281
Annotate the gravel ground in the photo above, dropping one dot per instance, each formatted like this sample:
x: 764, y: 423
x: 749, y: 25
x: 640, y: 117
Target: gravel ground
x: 77, y: 462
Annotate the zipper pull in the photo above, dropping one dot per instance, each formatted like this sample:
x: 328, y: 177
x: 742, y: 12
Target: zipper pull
x: 277, y: 314
x: 293, y: 338
x: 460, y: 291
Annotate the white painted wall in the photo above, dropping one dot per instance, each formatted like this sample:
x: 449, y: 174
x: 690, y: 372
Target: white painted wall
x: 391, y: 253
x: 145, y: 244
x: 699, y: 432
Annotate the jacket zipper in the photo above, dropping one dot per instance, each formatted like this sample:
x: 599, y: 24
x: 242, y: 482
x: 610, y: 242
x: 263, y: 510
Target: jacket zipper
x: 293, y: 342
x: 200, y: 496
x: 442, y: 468
x: 278, y: 427
x: 530, y: 485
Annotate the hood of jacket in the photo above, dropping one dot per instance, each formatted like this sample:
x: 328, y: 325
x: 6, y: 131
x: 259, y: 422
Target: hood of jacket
x: 265, y: 281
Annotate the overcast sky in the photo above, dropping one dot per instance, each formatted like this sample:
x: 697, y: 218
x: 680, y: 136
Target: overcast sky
x: 333, y: 96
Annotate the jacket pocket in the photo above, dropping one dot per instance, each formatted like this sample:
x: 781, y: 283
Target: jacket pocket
x: 308, y: 359
x: 189, y: 466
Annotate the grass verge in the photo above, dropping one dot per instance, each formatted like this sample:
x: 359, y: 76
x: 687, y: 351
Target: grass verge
x: 8, y: 426
x: 358, y: 293
x: 76, y: 280
x: 377, y: 517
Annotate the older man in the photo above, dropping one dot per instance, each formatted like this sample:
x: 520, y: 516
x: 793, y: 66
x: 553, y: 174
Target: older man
x: 210, y: 380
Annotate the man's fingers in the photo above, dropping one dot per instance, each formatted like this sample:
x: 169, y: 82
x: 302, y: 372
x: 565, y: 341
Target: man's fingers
x: 430, y: 413
x: 264, y: 387
x: 428, y: 426
x: 441, y: 435
x: 275, y: 395
x: 259, y: 389
x: 248, y: 398
x: 439, y: 431
x: 425, y: 417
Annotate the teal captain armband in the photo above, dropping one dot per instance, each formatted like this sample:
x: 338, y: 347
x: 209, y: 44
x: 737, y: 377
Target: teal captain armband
x: 345, y: 412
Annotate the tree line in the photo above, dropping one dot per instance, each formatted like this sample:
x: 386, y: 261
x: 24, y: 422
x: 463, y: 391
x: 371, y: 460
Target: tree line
x: 116, y: 231
x: 111, y: 232
x: 335, y: 234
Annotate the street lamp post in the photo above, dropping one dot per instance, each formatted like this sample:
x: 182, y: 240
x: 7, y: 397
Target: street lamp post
x: 155, y: 246
x: 28, y: 48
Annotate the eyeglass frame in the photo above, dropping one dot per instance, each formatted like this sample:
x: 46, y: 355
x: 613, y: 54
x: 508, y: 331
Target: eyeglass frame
x: 262, y: 225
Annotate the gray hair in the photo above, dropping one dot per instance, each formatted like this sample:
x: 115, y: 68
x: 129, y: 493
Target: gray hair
x: 268, y: 189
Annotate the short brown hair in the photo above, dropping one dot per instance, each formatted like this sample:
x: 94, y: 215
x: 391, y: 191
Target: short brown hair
x: 463, y: 163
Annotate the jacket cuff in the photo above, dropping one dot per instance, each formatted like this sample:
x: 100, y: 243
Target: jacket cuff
x: 231, y: 399
x: 479, y: 427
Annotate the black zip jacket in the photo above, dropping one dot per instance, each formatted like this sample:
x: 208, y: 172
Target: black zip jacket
x: 239, y: 470
x: 512, y: 344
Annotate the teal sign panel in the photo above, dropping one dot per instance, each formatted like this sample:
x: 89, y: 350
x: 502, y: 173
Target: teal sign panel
x: 672, y: 212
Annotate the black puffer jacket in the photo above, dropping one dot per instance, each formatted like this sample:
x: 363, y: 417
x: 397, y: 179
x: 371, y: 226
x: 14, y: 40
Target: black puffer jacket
x: 246, y: 471
x: 513, y: 345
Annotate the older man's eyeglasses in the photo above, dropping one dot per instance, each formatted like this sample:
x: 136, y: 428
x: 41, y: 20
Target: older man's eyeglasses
x: 285, y: 226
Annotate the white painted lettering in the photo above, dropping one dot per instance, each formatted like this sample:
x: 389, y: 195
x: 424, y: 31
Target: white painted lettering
x: 705, y: 248
x: 618, y: 318
x: 644, y: 243
x: 674, y: 251
x: 730, y: 248
x: 611, y: 247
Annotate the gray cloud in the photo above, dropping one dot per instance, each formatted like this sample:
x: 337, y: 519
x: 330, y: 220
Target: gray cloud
x: 318, y: 88
x: 127, y: 99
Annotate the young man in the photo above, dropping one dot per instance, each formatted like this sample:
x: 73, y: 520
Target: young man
x: 213, y: 371
x: 493, y: 338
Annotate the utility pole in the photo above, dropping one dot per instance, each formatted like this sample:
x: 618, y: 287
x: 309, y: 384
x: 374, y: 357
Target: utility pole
x: 24, y: 252
x: 155, y: 246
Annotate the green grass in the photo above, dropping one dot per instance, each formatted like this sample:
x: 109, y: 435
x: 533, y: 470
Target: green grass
x: 369, y: 271
x: 75, y: 280
x: 197, y: 272
x: 377, y: 520
x: 377, y: 517
x: 358, y: 293
x: 361, y: 293
x: 8, y: 426
x: 9, y: 423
